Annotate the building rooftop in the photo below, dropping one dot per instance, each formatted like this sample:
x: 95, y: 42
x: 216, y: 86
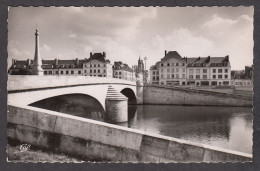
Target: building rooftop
x: 120, y: 66
x: 172, y: 54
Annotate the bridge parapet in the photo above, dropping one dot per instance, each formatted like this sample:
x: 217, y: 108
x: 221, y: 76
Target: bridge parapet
x: 35, y: 82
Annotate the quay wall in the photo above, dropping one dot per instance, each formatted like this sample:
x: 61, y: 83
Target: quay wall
x: 94, y: 140
x: 155, y: 94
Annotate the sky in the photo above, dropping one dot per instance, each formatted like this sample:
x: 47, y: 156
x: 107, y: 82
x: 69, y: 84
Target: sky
x: 125, y: 33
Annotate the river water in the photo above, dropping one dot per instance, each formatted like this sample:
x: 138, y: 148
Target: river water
x: 225, y: 127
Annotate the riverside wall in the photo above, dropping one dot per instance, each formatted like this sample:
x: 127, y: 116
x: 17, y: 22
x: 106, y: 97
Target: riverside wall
x: 155, y: 94
x: 94, y: 140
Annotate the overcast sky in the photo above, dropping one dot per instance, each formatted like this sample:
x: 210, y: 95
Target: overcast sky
x: 125, y: 33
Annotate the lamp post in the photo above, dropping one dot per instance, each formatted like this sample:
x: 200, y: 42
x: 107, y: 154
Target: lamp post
x: 145, y: 59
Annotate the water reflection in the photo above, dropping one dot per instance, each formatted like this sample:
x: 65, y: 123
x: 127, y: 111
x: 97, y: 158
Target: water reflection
x: 225, y: 127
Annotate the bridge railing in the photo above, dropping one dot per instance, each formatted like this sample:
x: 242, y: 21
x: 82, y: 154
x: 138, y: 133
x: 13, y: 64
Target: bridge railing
x: 23, y: 82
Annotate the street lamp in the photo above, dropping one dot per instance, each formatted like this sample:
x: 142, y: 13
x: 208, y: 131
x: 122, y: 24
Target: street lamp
x: 145, y: 59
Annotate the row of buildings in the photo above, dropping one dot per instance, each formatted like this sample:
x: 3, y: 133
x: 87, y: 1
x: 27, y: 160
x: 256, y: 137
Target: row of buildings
x: 173, y: 69
x: 96, y: 65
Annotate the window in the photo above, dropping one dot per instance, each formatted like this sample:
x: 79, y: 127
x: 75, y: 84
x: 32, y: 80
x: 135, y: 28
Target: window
x: 56, y: 72
x: 157, y: 72
x: 183, y: 64
x: 219, y: 76
x: 219, y: 70
x: 79, y: 71
x: 197, y: 76
x: 190, y: 76
x: 157, y: 78
x: 183, y: 75
x: 94, y: 71
x: 67, y: 72
x: 168, y: 70
x: 161, y: 75
x: 177, y: 75
x: 172, y: 70
x: 204, y: 70
x: 119, y: 73
x: 183, y: 69
x: 197, y: 70
x: 168, y: 76
x: 61, y: 72
x: 161, y: 64
x: 177, y: 64
x: 226, y: 76
x: 161, y: 70
x: 90, y: 65
x: 94, y: 65
x: 45, y: 73
x: 50, y: 72
x: 214, y: 70
x: 98, y: 65
x: 204, y: 76
x: 153, y: 78
x: 214, y: 76
x: 168, y: 64
x: 85, y: 71
x: 172, y: 75
x: 91, y: 71
x: 226, y: 70
x: 177, y: 69
x: 191, y: 71
x: 104, y: 71
x: 153, y: 72
x: 98, y: 71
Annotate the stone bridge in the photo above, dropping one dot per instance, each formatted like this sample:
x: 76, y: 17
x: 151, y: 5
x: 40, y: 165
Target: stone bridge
x: 26, y: 90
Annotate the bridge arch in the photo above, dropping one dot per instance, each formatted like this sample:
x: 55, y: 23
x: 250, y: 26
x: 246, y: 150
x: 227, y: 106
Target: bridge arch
x: 76, y: 104
x: 130, y: 94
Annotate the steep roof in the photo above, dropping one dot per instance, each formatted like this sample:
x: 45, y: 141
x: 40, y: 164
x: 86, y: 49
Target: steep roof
x: 172, y: 54
x: 97, y: 56
x: 206, y: 61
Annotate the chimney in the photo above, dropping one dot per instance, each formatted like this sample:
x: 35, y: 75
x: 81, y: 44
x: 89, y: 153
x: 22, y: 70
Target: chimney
x: 77, y: 61
x: 90, y: 54
x: 56, y: 61
x: 13, y: 61
x: 227, y: 57
x: 28, y: 62
x: 104, y: 55
x: 165, y: 52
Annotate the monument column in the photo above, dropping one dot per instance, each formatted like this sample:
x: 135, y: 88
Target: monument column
x: 37, y: 62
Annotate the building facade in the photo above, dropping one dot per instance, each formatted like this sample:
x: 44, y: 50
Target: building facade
x: 123, y: 71
x: 97, y: 66
x: 200, y: 71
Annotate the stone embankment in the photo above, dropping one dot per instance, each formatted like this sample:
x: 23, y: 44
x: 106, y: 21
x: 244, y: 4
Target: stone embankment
x: 94, y: 140
x: 157, y: 94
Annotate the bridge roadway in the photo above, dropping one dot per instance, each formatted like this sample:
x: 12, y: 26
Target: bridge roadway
x: 24, y: 90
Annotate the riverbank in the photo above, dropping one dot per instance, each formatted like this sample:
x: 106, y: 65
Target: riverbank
x: 15, y: 154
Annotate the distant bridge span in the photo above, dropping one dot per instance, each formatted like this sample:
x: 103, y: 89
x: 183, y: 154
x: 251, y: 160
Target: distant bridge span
x: 24, y: 90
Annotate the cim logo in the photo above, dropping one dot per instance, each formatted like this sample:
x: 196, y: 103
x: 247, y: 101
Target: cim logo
x: 25, y: 147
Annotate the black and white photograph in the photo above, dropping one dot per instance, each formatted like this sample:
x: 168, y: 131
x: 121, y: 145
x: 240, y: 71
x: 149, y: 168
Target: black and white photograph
x: 130, y: 84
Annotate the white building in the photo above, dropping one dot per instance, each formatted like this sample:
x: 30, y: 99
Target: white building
x: 199, y: 71
x: 97, y: 66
